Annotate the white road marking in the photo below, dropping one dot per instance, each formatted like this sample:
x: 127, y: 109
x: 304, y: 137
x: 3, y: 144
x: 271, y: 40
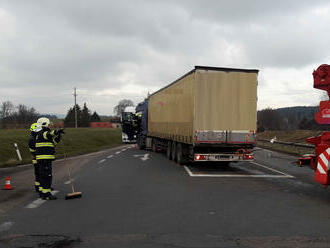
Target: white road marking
x: 145, y: 157
x: 266, y: 167
x: 283, y: 175
x: 110, y: 156
x: 6, y: 226
x: 39, y: 201
x: 101, y: 161
x: 123, y: 150
x: 68, y: 182
x: 118, y: 152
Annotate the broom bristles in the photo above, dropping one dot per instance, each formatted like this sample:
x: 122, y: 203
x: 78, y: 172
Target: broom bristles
x: 73, y: 195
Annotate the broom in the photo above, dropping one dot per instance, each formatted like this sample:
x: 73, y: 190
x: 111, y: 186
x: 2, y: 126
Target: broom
x: 74, y: 194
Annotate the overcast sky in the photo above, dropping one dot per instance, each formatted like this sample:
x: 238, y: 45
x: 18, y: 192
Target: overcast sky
x: 112, y: 50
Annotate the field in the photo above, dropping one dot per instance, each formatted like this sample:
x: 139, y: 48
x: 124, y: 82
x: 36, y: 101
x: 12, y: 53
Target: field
x: 295, y: 136
x: 74, y: 142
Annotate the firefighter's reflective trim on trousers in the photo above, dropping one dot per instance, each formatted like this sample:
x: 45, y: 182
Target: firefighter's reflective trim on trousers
x: 45, y: 157
x: 37, y: 184
x: 45, y: 191
x: 32, y: 150
x: 40, y: 188
x: 44, y: 144
x: 34, y: 161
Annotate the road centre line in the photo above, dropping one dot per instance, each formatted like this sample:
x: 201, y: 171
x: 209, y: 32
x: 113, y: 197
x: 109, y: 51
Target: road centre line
x: 68, y: 182
x: 110, y: 156
x: 101, y: 161
x: 118, y: 152
x: 39, y: 201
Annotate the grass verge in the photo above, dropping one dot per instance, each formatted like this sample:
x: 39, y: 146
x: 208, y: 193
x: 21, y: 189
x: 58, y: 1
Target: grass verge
x: 296, y: 136
x: 75, y: 142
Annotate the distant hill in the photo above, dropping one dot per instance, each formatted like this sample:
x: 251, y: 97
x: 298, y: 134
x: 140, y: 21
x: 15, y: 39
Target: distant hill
x: 299, y: 111
x: 290, y: 118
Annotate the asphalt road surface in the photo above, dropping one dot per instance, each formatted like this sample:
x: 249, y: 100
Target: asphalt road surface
x: 134, y: 198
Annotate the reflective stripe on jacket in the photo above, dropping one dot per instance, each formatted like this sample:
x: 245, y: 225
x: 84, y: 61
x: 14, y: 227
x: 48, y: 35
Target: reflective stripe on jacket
x: 45, y: 144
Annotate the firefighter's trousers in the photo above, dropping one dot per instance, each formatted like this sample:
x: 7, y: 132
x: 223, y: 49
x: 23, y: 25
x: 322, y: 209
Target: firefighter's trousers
x: 45, y: 173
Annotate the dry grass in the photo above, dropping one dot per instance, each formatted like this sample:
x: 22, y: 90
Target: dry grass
x: 296, y: 136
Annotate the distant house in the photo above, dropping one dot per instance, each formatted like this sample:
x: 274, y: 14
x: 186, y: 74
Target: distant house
x: 104, y: 124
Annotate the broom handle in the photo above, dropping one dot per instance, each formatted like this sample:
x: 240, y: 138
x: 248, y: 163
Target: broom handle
x: 69, y: 168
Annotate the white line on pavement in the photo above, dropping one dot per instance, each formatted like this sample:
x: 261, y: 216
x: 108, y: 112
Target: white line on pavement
x: 6, y: 226
x: 101, y: 161
x: 68, y: 182
x: 283, y: 175
x: 39, y: 201
x: 110, y: 156
x: 123, y: 150
x: 266, y: 167
x: 118, y: 152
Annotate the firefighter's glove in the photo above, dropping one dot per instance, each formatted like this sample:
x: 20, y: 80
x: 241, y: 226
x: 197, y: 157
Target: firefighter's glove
x: 61, y: 131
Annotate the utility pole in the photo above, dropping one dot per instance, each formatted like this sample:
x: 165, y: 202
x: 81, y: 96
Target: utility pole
x: 75, y: 107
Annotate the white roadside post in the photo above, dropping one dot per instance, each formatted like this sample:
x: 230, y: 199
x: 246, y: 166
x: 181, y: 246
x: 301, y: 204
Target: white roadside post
x: 18, y: 152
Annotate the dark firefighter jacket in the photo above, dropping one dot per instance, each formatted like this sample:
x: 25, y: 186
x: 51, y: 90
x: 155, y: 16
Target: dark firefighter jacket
x: 32, y: 146
x: 45, y: 143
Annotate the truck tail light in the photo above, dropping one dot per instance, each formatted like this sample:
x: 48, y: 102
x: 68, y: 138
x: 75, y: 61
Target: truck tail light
x: 199, y: 157
x: 248, y: 156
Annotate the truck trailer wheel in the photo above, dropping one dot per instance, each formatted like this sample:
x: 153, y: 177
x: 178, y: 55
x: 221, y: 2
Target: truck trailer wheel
x: 180, y: 155
x: 169, y: 150
x: 173, y: 151
x: 154, y: 145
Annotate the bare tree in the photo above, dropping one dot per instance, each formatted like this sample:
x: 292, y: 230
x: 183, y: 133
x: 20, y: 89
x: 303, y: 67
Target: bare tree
x: 120, y: 107
x: 6, y: 109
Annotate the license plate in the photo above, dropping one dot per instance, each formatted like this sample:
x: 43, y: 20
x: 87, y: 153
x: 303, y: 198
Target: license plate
x: 219, y: 157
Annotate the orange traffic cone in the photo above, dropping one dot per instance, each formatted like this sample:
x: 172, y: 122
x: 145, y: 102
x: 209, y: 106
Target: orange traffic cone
x: 7, y: 184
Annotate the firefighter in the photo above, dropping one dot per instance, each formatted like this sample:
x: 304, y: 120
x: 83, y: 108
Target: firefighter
x: 32, y: 146
x: 45, y: 154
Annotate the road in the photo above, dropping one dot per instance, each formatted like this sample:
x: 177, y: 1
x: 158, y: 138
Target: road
x: 134, y: 198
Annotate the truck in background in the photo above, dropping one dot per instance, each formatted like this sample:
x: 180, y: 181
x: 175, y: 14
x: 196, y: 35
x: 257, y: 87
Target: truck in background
x: 128, y: 125
x: 209, y: 114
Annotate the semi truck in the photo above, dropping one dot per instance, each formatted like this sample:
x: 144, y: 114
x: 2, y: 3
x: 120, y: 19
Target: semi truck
x: 208, y: 114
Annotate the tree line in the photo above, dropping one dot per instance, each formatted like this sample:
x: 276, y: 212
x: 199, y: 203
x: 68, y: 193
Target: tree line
x: 18, y: 116
x: 84, y: 116
x: 290, y: 118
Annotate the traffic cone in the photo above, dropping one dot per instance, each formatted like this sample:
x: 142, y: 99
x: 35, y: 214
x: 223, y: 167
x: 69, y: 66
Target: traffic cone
x: 7, y: 184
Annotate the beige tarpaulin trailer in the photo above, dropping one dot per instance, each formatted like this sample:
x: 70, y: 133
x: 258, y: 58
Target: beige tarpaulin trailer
x: 207, y: 105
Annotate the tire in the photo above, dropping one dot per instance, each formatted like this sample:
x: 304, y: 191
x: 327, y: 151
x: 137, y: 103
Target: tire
x: 139, y: 144
x: 154, y: 145
x: 169, y: 150
x: 173, y: 151
x: 180, y: 156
